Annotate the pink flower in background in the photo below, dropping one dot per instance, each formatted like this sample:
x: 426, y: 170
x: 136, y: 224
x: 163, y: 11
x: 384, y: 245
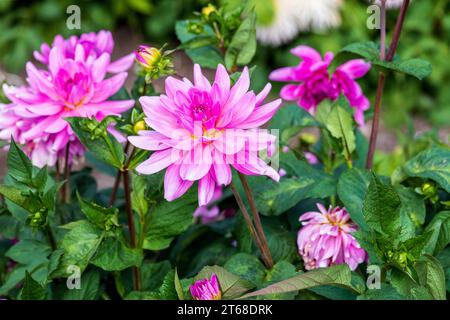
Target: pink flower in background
x: 311, y: 158
x: 200, y: 130
x: 71, y: 87
x: 207, y: 215
x: 94, y: 45
x: 206, y: 289
x: 325, y: 239
x: 313, y: 82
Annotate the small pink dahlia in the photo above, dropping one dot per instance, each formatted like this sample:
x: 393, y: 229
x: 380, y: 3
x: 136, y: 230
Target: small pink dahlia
x: 313, y: 82
x: 94, y: 45
x: 72, y: 86
x: 206, y: 289
x: 325, y: 239
x: 200, y: 130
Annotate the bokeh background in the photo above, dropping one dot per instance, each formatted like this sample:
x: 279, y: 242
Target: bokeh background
x: 409, y: 105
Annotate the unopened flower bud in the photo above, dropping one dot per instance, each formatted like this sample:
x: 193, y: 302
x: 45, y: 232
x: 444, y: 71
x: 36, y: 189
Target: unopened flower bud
x: 154, y: 62
x: 139, y: 126
x: 210, y: 8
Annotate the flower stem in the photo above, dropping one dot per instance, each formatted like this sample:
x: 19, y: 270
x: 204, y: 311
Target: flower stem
x: 256, y: 219
x: 117, y: 181
x: 383, y: 30
x: 130, y: 219
x: 50, y: 237
x: 381, y: 82
x: 65, y: 191
x: 250, y: 225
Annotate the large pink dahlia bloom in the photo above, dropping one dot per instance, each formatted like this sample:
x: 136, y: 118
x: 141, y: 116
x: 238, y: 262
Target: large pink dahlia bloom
x: 94, y: 45
x: 326, y: 239
x: 313, y: 82
x: 201, y: 129
x: 71, y: 87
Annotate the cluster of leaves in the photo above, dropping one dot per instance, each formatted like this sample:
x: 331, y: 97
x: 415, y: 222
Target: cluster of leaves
x: 226, y: 35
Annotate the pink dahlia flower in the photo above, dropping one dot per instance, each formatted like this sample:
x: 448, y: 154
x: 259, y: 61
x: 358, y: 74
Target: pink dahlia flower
x: 71, y: 87
x: 313, y: 82
x: 94, y: 45
x: 206, y: 289
x: 326, y: 239
x: 200, y: 130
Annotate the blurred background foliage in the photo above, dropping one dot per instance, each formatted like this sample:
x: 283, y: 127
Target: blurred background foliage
x: 25, y: 25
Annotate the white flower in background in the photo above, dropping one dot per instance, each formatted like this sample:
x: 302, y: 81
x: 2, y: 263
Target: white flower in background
x: 279, y: 21
x: 317, y: 14
x: 276, y: 22
x: 390, y: 3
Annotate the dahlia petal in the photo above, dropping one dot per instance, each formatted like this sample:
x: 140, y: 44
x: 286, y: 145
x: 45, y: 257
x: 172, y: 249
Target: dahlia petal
x: 306, y: 53
x: 290, y: 92
x: 206, y: 187
x: 149, y: 140
x: 231, y: 141
x: 200, y: 80
x: 222, y: 83
x: 196, y: 164
x: 243, y: 109
x: 56, y: 126
x: 111, y: 107
x: 108, y: 87
x: 355, y: 68
x: 174, y: 186
x: 121, y: 65
x: 263, y: 95
x: 260, y: 115
x: 37, y: 80
x: 222, y: 171
x: 44, y: 109
x: 239, y: 89
x: 284, y: 74
x: 158, y: 161
x: 172, y: 85
x: 99, y: 67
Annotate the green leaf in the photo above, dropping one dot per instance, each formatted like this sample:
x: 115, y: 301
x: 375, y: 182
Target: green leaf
x: 168, y: 220
x: 431, y: 164
x: 274, y: 198
x: 152, y: 274
x: 368, y: 50
x: 138, y: 197
x: 32, y: 290
x: 352, y: 189
x: 89, y: 287
x: 282, y: 270
x: 104, y: 145
x: 439, y: 228
x: 231, y: 286
x: 340, y: 124
x: 386, y: 292
x: 19, y: 165
x: 242, y: 47
x: 167, y: 291
x: 178, y: 286
x: 80, y: 244
x: 382, y: 209
x: 104, y: 218
x: 246, y: 266
x: 17, y: 196
x: 432, y: 277
x: 207, y: 57
x: 29, y: 251
x: 282, y: 243
x: 337, y: 275
x: 114, y: 255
